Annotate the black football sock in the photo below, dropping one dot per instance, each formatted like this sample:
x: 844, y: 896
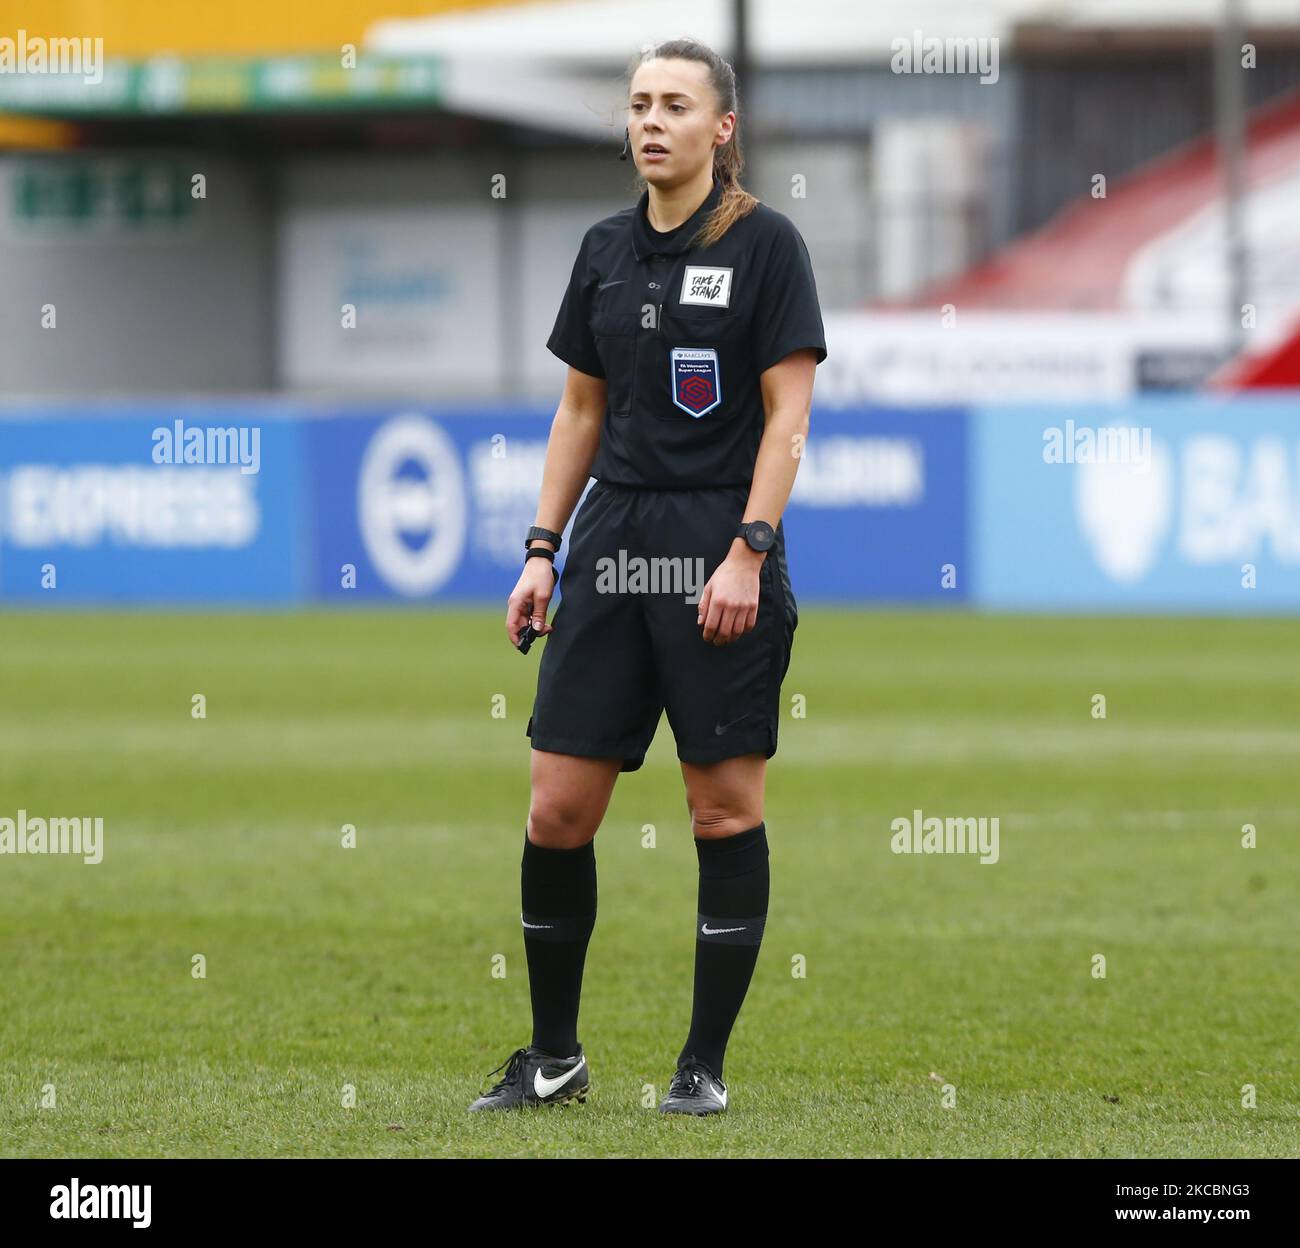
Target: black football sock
x: 558, y: 890
x: 733, y: 900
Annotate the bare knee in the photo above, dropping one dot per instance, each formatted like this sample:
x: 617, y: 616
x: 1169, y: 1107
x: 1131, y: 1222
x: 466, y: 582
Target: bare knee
x: 559, y: 822
x: 569, y: 799
x: 711, y: 821
x: 727, y: 797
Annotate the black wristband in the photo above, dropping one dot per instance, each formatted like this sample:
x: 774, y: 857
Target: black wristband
x: 545, y: 535
x: 534, y: 552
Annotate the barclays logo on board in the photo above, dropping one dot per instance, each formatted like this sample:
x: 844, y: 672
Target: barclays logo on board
x: 1220, y: 499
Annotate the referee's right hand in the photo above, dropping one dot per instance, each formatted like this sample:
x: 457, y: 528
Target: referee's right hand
x: 530, y: 599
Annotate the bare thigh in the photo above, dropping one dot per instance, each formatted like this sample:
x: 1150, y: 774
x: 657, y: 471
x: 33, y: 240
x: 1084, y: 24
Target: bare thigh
x: 727, y: 797
x: 569, y: 797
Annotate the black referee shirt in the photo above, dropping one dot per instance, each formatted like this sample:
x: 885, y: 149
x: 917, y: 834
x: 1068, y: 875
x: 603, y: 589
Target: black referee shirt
x: 681, y: 336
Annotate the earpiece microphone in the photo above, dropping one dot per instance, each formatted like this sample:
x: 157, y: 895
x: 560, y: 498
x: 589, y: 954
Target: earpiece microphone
x: 627, y: 143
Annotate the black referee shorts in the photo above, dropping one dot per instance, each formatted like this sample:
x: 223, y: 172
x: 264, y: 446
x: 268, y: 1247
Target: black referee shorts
x: 626, y: 647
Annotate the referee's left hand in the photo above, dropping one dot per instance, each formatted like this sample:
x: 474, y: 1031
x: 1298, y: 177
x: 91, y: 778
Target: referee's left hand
x: 728, y: 607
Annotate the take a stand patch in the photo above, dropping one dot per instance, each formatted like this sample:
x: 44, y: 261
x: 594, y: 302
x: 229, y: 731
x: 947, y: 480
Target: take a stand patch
x: 696, y: 379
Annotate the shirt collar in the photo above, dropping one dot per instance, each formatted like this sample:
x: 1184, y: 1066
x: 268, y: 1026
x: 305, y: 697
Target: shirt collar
x: 643, y: 245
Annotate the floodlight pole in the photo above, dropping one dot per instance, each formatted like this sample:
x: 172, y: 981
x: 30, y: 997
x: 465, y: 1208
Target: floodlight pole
x: 1230, y: 128
x: 740, y: 62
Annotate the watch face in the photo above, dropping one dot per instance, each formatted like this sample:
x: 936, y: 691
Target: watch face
x: 761, y: 535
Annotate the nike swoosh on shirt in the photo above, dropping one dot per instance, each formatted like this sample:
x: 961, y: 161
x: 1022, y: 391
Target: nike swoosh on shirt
x: 544, y: 1086
x: 715, y: 931
x: 603, y: 285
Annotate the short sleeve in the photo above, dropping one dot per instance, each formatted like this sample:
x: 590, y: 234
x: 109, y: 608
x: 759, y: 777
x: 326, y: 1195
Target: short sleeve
x: 787, y: 315
x: 571, y: 339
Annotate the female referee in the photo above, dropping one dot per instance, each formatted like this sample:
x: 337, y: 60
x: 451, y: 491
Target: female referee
x: 692, y: 332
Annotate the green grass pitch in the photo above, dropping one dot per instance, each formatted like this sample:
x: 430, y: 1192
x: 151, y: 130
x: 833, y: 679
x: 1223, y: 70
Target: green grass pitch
x: 372, y: 967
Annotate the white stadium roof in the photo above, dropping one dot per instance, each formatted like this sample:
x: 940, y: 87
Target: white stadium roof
x: 559, y: 66
x: 787, y: 32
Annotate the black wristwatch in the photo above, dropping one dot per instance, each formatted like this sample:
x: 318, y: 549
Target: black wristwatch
x: 759, y: 534
x: 545, y: 534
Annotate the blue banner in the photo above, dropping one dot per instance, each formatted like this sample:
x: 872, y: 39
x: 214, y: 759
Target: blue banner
x: 420, y: 504
x: 1167, y: 503
x: 412, y: 504
x: 171, y: 503
x: 879, y: 507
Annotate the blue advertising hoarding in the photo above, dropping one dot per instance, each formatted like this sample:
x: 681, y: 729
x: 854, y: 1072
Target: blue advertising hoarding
x: 1162, y: 504
x: 409, y: 503
x: 1170, y: 503
x: 140, y: 503
x: 879, y: 507
x: 417, y: 504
